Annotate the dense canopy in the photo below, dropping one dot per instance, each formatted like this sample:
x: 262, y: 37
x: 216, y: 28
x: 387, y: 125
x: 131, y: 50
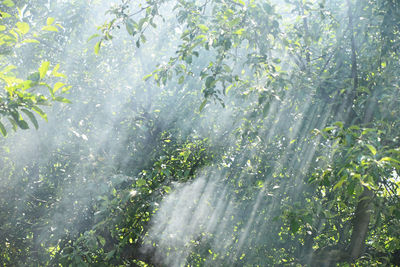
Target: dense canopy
x: 200, y: 133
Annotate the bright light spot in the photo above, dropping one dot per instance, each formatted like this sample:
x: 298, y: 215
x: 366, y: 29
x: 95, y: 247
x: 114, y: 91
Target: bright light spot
x: 133, y: 193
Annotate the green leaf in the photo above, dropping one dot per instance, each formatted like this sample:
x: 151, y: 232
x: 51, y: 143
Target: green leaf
x: 8, y: 3
x: 50, y: 20
x: 228, y: 89
x: 3, y: 129
x: 143, y: 38
x: 239, y: 32
x: 62, y: 99
x: 55, y: 72
x: 372, y: 149
x: 30, y: 41
x: 130, y: 27
x: 389, y: 159
x: 102, y: 240
x: 97, y: 47
x: 93, y: 36
x: 351, y: 187
x: 43, y: 69
x: 13, y: 123
x: 185, y: 155
x: 203, y: 105
x: 22, y: 124
x: 152, y: 23
x: 328, y: 129
x: 210, y: 81
x: 16, y: 117
x: 141, y: 22
x: 145, y: 78
x: 167, y: 189
x: 31, y: 117
x: 340, y: 183
x: 66, y: 89
x: 23, y: 27
x: 40, y: 112
x: 110, y: 254
x: 8, y: 68
x: 203, y: 28
x: 140, y: 182
x: 56, y: 67
x: 294, y: 225
x: 50, y: 28
x: 354, y: 127
x: 57, y: 86
x: 339, y: 124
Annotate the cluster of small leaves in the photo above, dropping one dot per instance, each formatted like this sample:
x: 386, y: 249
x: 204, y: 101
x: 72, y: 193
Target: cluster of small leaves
x: 360, y: 157
x: 354, y: 159
x: 228, y: 33
x: 126, y: 14
x: 230, y: 44
x: 14, y: 34
x: 122, y: 213
x: 21, y: 96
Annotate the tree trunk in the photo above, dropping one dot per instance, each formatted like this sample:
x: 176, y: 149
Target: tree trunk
x: 360, y: 224
x: 330, y: 256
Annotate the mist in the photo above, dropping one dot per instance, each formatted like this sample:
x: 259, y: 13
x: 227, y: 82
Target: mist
x: 199, y: 133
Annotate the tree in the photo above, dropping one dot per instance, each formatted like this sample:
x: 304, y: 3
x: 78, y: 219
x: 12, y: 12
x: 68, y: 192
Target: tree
x: 355, y: 100
x: 21, y: 96
x: 266, y: 135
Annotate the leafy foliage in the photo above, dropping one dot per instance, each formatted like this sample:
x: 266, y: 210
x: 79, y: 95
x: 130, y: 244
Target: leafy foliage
x: 207, y: 133
x: 20, y: 96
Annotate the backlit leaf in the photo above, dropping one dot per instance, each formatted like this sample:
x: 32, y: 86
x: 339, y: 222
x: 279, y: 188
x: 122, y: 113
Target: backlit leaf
x: 31, y: 117
x: 30, y: 41
x: 203, y: 105
x: 389, y: 159
x: 50, y: 28
x: 23, y: 27
x: 62, y: 99
x: 93, y: 36
x: 8, y: 3
x: 339, y: 184
x: 50, y: 20
x: 130, y: 26
x: 372, y: 149
x: 97, y: 47
x: 43, y: 69
x: 3, y: 129
x: 57, y: 86
x: 203, y: 27
x: 140, y: 182
x: 40, y: 112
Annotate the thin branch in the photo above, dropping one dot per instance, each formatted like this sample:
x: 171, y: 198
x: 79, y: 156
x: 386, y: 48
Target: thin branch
x: 354, y: 70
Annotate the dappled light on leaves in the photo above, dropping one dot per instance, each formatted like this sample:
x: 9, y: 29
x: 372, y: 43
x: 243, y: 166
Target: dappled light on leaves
x: 199, y: 133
